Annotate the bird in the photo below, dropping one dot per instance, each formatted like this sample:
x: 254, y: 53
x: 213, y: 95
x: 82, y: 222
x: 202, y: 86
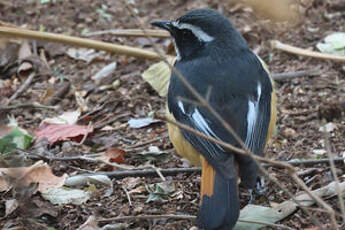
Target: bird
x: 214, y: 58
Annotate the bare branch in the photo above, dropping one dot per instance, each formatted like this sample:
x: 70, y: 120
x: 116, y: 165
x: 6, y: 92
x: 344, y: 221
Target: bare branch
x: 303, y: 52
x: 130, y: 33
x: 81, y: 42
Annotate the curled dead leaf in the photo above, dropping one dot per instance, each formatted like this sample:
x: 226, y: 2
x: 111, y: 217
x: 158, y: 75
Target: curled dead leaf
x: 112, y: 155
x: 11, y: 206
x: 61, y: 132
x: 158, y: 76
x: 90, y: 224
x: 39, y: 173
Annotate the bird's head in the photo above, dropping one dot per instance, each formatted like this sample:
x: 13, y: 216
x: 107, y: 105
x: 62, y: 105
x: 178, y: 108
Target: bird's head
x: 200, y: 29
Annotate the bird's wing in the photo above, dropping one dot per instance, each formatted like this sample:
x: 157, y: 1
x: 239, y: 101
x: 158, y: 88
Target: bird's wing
x: 248, y: 113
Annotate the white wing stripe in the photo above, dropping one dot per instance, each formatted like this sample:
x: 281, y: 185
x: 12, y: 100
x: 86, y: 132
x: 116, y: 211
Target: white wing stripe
x: 202, y: 124
x: 253, y: 113
x: 180, y: 105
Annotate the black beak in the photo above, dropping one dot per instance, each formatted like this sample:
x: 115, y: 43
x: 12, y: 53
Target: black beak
x: 166, y: 25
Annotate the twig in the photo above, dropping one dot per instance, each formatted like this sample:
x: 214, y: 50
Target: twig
x: 145, y: 143
x: 290, y: 75
x: 179, y: 217
x: 303, y: 52
x: 22, y: 87
x: 89, y: 127
x: 131, y: 33
x: 135, y: 172
x: 81, y: 42
x: 35, y: 105
x: 60, y: 93
x: 314, y: 162
x: 147, y: 217
x: 229, y: 146
x: 111, y: 120
x: 319, y: 200
x: 334, y: 172
x: 127, y: 194
x: 158, y: 171
x: 143, y: 172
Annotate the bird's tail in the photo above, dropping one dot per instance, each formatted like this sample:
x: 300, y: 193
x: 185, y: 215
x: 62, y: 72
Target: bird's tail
x: 219, y: 200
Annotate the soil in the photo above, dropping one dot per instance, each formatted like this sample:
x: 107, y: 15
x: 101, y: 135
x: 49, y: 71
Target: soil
x: 304, y: 105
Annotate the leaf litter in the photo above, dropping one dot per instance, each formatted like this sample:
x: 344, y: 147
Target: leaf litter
x: 133, y: 95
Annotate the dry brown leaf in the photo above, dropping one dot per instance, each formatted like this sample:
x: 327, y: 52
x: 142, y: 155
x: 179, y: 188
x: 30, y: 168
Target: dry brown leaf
x: 90, y: 224
x: 39, y: 173
x: 131, y: 182
x: 158, y: 76
x: 283, y: 10
x: 11, y: 206
x: 87, y: 55
x: 17, y: 228
x: 5, y: 130
x: 8, y: 58
x: 4, y: 184
x: 24, y: 52
x: 61, y: 132
x: 113, y: 155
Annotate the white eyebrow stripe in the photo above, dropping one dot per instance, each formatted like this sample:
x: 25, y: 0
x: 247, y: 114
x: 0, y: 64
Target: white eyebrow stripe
x: 197, y: 31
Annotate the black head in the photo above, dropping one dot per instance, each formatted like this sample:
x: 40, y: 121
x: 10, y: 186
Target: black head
x: 201, y: 29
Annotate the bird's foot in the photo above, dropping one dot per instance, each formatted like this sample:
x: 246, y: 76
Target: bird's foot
x: 258, y: 191
x: 260, y: 186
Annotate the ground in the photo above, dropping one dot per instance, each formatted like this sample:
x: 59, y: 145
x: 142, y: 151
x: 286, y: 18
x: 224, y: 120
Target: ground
x: 304, y: 105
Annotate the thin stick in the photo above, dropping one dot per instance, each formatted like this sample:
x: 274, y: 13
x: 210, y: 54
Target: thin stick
x: 145, y: 143
x: 319, y: 200
x: 81, y: 42
x: 22, y: 88
x: 35, y: 105
x: 179, y: 217
x: 127, y: 194
x: 334, y: 172
x: 89, y: 127
x: 60, y: 93
x: 143, y: 173
x: 303, y: 52
x: 290, y: 75
x: 147, y: 217
x: 131, y: 33
x: 111, y: 120
x: 229, y: 146
x: 313, y: 162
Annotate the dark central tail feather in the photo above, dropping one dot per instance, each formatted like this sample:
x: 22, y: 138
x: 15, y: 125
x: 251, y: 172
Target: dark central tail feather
x: 220, y: 207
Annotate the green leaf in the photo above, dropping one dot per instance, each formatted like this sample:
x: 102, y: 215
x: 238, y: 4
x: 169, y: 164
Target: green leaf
x: 15, y: 139
x: 333, y: 44
x: 160, y: 191
x: 257, y: 214
x: 154, y: 154
x: 158, y: 76
x: 65, y: 195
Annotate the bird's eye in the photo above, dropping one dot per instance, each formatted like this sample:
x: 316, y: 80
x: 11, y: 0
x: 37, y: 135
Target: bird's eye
x: 186, y: 32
